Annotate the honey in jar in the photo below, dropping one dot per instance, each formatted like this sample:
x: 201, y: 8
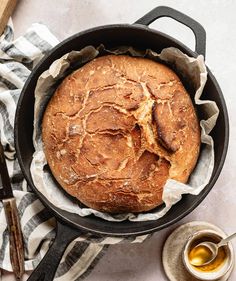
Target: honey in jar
x: 201, y: 254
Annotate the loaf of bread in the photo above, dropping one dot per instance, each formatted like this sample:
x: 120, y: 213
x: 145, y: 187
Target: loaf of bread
x: 116, y: 129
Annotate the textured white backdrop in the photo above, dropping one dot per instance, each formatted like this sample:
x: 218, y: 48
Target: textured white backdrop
x: 66, y: 17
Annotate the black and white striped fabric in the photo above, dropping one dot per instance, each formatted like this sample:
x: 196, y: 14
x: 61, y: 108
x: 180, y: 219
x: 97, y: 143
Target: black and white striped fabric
x: 17, y: 58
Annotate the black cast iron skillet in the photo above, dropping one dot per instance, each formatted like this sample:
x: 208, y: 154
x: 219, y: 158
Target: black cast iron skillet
x: 138, y: 35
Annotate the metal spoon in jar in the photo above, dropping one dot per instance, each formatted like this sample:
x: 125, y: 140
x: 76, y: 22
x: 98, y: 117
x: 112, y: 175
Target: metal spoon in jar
x: 205, y: 252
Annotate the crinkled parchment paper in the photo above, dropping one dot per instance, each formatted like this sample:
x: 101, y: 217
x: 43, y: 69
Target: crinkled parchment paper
x: 192, y: 69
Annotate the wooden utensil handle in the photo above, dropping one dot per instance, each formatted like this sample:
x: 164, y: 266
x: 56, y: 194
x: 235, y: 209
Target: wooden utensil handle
x: 6, y: 9
x: 15, y: 237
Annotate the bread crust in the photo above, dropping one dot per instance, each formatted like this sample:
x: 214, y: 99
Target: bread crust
x: 116, y: 129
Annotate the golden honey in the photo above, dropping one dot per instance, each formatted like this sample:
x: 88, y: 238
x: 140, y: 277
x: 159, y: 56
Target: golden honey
x: 201, y: 254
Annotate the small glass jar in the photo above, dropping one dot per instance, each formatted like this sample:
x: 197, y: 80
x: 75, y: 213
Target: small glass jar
x: 220, y: 267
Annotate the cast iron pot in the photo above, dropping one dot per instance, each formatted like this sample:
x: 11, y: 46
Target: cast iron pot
x: 138, y: 35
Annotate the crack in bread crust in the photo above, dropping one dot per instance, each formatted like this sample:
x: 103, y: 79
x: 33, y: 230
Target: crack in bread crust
x: 116, y: 129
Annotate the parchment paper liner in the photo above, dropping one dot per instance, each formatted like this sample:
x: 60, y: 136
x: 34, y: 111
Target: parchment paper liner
x: 192, y: 69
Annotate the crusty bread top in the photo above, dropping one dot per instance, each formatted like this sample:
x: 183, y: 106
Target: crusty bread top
x: 116, y: 129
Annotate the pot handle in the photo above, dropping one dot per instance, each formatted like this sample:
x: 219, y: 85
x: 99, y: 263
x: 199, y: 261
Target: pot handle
x: 163, y: 11
x: 46, y: 269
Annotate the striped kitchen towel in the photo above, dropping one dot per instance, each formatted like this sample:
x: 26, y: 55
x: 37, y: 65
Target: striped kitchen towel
x: 17, y: 59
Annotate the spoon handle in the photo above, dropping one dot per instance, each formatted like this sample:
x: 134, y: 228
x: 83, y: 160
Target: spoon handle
x: 226, y: 240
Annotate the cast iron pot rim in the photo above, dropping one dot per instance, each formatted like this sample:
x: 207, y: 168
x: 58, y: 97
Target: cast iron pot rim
x: 56, y: 211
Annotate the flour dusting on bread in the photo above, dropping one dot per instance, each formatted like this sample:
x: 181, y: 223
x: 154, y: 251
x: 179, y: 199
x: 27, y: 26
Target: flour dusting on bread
x: 116, y: 129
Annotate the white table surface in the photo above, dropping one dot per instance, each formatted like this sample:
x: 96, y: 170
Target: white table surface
x: 142, y: 262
